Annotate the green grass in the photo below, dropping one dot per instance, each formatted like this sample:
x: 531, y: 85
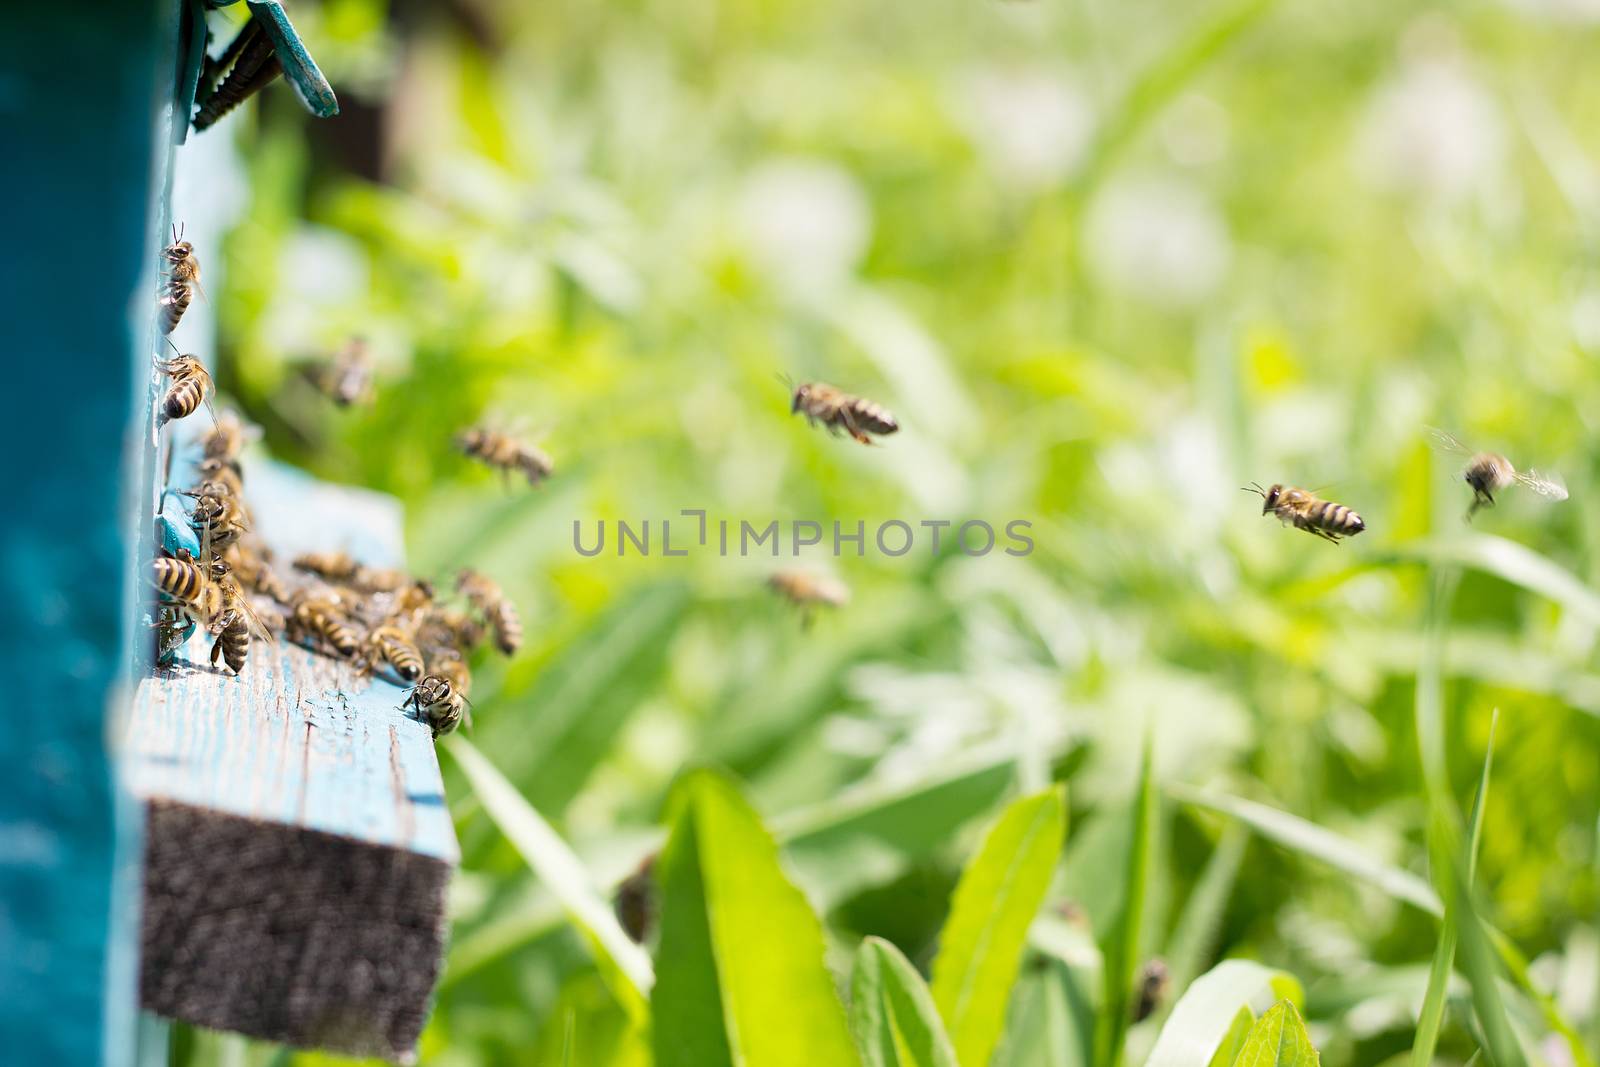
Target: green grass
x: 1106, y: 265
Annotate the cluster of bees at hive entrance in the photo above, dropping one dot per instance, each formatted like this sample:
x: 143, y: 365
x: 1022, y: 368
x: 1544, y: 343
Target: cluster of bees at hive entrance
x: 382, y: 620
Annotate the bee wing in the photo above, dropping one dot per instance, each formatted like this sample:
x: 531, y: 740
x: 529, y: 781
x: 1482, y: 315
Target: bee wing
x: 1446, y: 442
x: 1542, y: 484
x: 252, y: 620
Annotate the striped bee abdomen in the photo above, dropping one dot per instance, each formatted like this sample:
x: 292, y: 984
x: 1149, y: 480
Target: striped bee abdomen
x: 393, y: 646
x: 180, y: 579
x: 232, y: 643
x: 873, y: 418
x: 507, y: 627
x: 182, y: 399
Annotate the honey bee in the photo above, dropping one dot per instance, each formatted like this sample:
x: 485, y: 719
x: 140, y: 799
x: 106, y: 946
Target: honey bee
x: 187, y: 583
x: 347, y: 378
x: 498, y: 611
x: 638, y: 901
x: 443, y: 707
x: 807, y: 591
x: 191, y: 383
x: 225, y: 441
x: 1489, y: 472
x: 183, y: 277
x: 448, y: 664
x: 318, y: 621
x: 838, y: 410
x: 218, y: 515
x: 506, y: 454
x: 449, y: 628
x: 251, y: 64
x: 1306, y: 511
x: 332, y: 566
x: 234, y: 625
x: 252, y: 565
x: 391, y: 644
x: 1153, y: 984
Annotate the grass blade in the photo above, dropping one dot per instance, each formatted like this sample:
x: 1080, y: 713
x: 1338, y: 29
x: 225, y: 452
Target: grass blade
x: 892, y: 1012
x: 1209, y: 1011
x: 741, y: 978
x: 1296, y: 833
x: 1513, y: 563
x: 993, y: 906
x: 1278, y: 1039
x: 1196, y: 932
x: 1121, y: 949
x: 1433, y: 1002
x: 1478, y: 958
x: 623, y: 964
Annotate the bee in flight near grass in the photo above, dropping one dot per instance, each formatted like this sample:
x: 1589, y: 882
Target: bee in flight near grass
x: 506, y: 454
x: 346, y: 379
x: 498, y: 611
x: 809, y: 591
x: 191, y: 386
x: 838, y: 410
x: 1489, y: 472
x: 183, y: 278
x: 1304, y: 510
x: 442, y: 706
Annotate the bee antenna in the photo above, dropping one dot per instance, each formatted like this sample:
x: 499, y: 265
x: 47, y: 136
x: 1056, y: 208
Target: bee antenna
x: 785, y: 379
x: 175, y: 348
x: 1254, y: 487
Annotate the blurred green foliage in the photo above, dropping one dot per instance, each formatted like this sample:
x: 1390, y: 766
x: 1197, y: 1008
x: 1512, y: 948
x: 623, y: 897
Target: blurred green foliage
x: 1107, y: 262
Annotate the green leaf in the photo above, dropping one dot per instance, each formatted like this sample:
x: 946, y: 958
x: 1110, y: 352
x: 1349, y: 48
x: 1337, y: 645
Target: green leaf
x: 1208, y: 1012
x: 993, y: 905
x: 623, y: 964
x: 1121, y: 948
x: 1233, y: 1041
x: 892, y: 1013
x: 1296, y: 833
x: 1278, y: 1039
x: 1433, y: 1002
x: 740, y: 974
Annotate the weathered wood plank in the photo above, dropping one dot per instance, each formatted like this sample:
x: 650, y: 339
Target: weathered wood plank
x: 298, y: 842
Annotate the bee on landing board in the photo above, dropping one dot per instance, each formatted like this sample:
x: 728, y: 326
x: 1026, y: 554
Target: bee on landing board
x: 234, y: 626
x: 506, y: 454
x: 443, y: 707
x: 319, y: 622
x: 183, y: 278
x: 1306, y: 511
x: 1488, y: 473
x: 838, y: 410
x: 393, y: 646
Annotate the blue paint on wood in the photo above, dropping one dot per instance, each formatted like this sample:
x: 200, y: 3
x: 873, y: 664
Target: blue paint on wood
x: 299, y: 69
x: 79, y: 97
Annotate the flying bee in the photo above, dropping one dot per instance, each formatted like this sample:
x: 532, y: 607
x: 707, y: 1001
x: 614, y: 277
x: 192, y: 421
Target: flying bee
x: 838, y: 410
x: 807, y: 591
x: 1489, y: 472
x: 1306, y: 511
x: 234, y: 625
x: 442, y: 706
x: 183, y: 277
x: 332, y: 566
x: 507, y: 454
x: 392, y: 645
x: 638, y: 901
x: 1153, y: 983
x: 319, y: 622
x: 498, y: 611
x: 191, y: 383
x: 347, y: 378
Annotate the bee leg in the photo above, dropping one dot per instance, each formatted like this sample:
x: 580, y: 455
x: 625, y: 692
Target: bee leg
x: 854, y: 430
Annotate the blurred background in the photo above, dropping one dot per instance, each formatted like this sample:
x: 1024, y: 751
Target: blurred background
x: 1107, y: 261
